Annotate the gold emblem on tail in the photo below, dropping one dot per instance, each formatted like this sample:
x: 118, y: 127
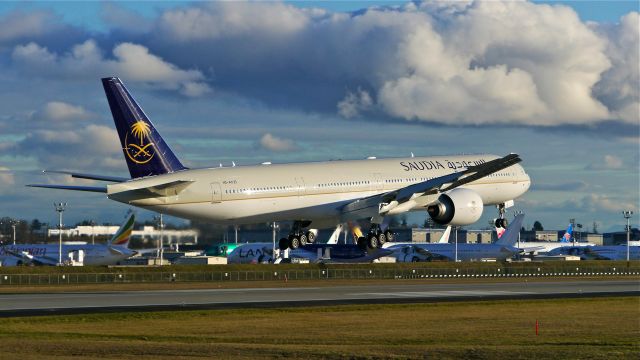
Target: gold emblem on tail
x: 139, y: 153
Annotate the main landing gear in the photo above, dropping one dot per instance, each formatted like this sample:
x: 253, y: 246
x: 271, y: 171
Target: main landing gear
x: 501, y: 222
x: 298, y: 236
x: 375, y: 238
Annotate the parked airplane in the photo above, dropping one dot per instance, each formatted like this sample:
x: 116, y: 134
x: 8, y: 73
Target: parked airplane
x: 500, y: 250
x: 261, y: 253
x: 596, y: 252
x: 452, y: 189
x: 544, y: 247
x: 115, y: 250
x: 409, y: 253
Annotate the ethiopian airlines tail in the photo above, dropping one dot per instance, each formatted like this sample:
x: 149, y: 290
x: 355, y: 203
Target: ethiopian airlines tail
x: 510, y: 236
x: 144, y: 149
x: 122, y: 236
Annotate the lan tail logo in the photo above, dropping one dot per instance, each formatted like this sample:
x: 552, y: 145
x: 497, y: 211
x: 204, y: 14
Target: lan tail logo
x: 138, y: 151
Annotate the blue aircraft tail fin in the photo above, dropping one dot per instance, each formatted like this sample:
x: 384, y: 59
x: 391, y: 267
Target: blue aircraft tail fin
x: 567, y: 235
x: 144, y: 149
x: 510, y: 236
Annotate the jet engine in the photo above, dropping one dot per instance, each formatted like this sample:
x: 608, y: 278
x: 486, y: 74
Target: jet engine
x: 457, y: 207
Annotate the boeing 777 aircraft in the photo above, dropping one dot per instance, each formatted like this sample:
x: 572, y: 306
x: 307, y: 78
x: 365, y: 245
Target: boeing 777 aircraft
x: 48, y: 254
x: 452, y: 189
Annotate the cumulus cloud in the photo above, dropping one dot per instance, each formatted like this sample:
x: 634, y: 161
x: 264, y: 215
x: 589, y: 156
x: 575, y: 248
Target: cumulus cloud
x: 61, y: 111
x: 130, y: 61
x: 276, y: 144
x: 619, y: 86
x: 609, y: 162
x: 230, y: 19
x: 447, y: 62
x: 18, y: 24
x: 90, y: 147
x: 354, y: 103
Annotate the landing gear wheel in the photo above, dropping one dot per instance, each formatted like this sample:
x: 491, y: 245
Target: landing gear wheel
x: 382, y: 238
x: 294, y: 243
x: 415, y: 259
x: 390, y: 235
x: 311, y: 237
x: 283, y: 244
x: 303, y: 240
x: 362, y: 243
x: 372, y: 241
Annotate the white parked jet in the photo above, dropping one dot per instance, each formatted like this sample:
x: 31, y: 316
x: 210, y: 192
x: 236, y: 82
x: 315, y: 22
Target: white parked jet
x: 115, y: 250
x: 500, y: 250
x: 452, y: 189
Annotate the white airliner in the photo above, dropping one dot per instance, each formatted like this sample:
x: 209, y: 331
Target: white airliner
x: 597, y: 252
x: 262, y: 253
x: 452, y: 189
x: 115, y: 250
x: 500, y: 250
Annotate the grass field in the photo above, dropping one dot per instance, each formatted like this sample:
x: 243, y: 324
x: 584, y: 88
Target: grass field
x: 598, y: 328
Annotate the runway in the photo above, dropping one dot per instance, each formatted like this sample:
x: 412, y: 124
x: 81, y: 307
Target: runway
x: 87, y: 302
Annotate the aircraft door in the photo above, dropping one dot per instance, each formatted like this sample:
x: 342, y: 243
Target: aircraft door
x: 377, y: 184
x: 300, y: 185
x: 216, y: 192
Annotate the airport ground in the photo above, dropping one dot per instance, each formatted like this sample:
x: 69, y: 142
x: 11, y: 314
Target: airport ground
x: 585, y: 328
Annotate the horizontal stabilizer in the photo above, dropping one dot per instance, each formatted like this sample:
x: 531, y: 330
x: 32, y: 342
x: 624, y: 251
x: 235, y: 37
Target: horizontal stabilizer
x: 167, y: 189
x: 98, y: 189
x: 87, y: 176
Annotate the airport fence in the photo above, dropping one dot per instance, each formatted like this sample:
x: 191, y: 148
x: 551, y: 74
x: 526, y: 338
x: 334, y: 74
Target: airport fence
x: 325, y: 273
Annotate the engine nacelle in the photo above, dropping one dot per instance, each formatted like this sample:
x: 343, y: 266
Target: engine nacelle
x: 457, y: 207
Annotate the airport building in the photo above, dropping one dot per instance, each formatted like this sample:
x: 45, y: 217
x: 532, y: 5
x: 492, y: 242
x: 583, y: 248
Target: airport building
x: 420, y: 235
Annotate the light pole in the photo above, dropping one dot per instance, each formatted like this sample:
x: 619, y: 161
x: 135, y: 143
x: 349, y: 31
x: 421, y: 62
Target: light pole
x: 275, y: 227
x: 627, y: 215
x: 456, y: 255
x: 160, y: 242
x: 13, y: 225
x: 93, y: 232
x: 60, y: 209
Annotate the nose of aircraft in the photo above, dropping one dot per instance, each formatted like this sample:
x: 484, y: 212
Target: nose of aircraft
x: 526, y: 183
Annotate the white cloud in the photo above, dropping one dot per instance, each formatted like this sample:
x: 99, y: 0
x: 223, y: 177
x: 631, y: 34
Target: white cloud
x: 354, y: 103
x: 61, y: 111
x: 229, y: 19
x: 609, y: 162
x: 90, y: 147
x: 619, y: 86
x: 132, y: 62
x: 19, y: 24
x: 276, y: 144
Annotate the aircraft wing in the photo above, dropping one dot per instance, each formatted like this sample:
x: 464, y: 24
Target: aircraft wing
x: 382, y: 203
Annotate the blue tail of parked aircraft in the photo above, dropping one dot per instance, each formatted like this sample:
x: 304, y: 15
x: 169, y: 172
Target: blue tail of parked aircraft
x: 567, y: 235
x: 144, y: 149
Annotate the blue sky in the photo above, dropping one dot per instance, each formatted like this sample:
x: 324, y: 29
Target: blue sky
x: 299, y: 81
